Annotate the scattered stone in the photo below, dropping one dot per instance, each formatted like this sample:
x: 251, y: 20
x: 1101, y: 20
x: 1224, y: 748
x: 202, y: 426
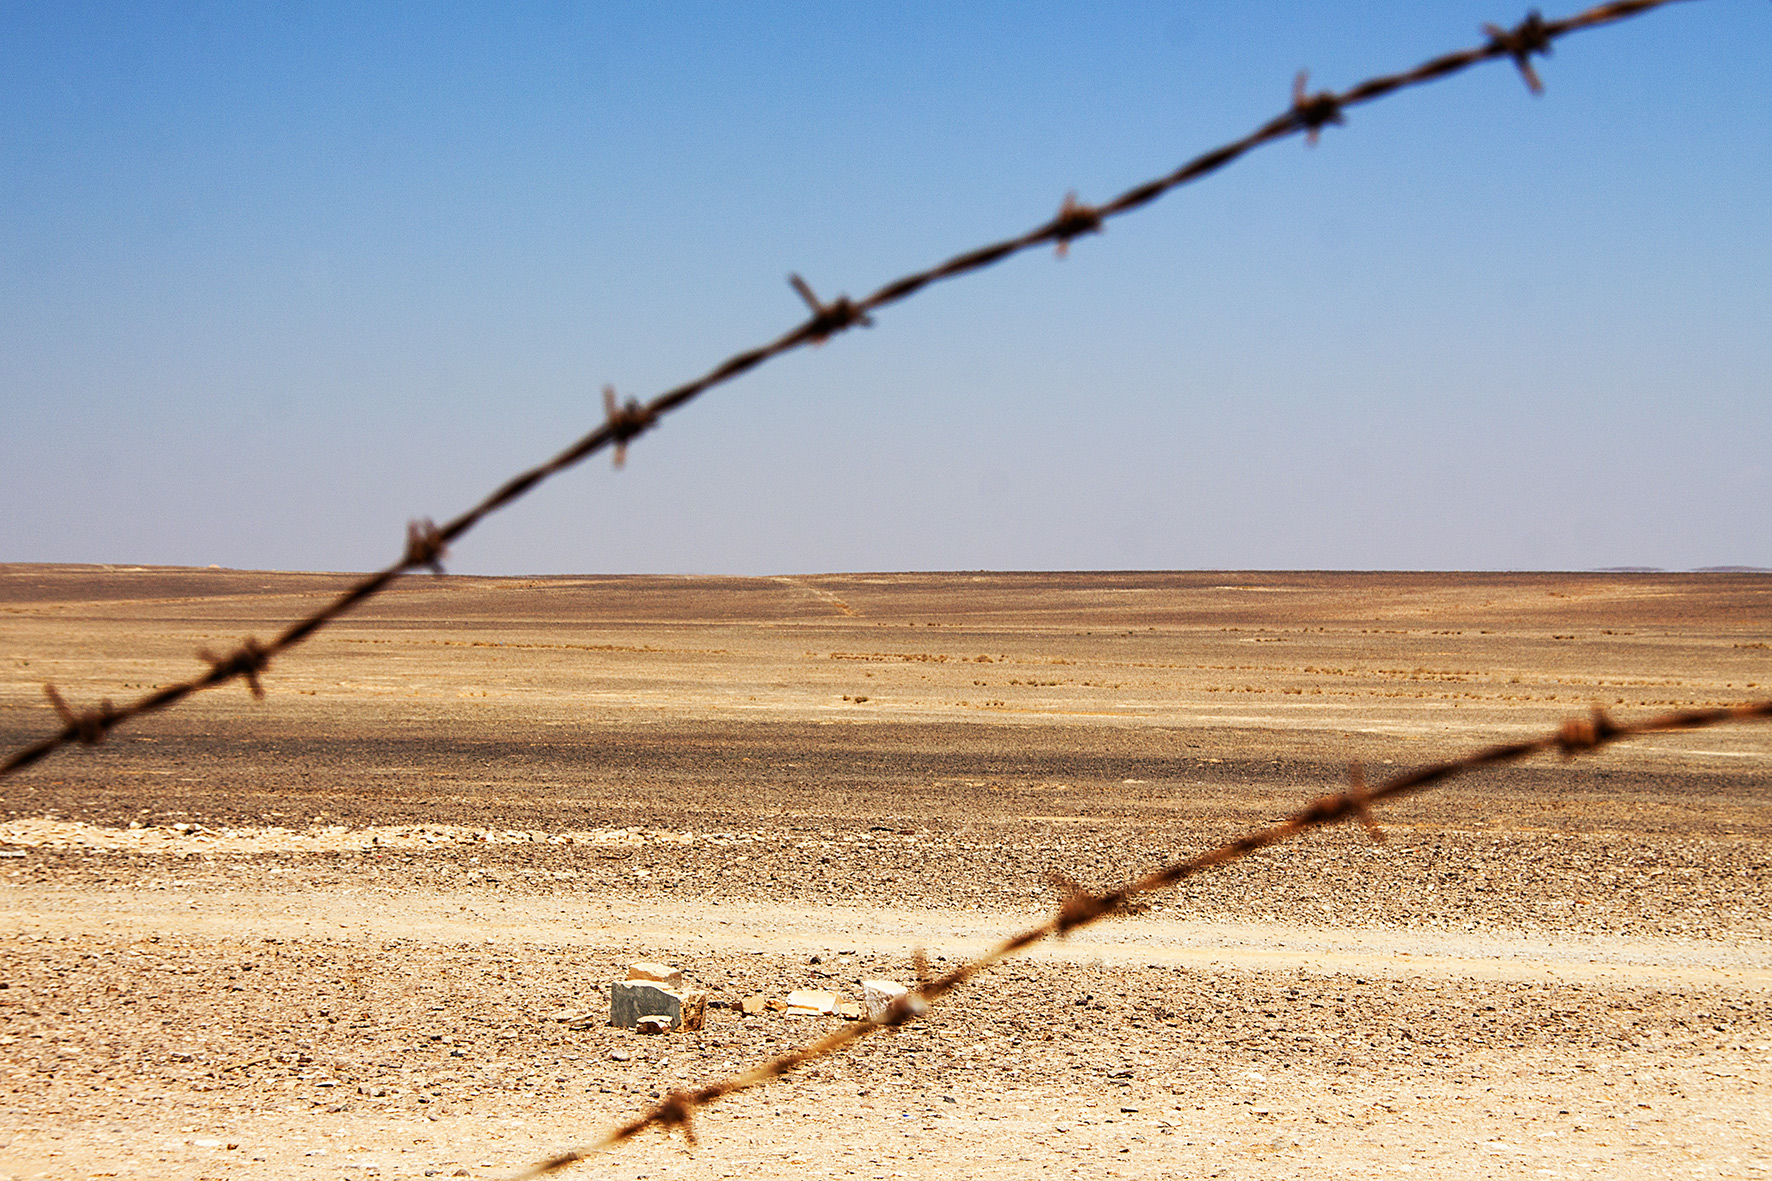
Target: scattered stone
x: 849, y: 1010
x: 654, y: 1024
x: 658, y: 973
x: 620, y: 1055
x: 879, y: 995
x: 753, y: 1005
x: 630, y: 1000
x: 807, y: 1002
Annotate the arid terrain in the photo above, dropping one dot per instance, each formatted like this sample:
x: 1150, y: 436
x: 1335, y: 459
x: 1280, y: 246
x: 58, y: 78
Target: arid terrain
x: 365, y: 928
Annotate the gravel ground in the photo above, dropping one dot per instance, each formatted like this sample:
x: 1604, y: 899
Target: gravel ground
x: 367, y: 928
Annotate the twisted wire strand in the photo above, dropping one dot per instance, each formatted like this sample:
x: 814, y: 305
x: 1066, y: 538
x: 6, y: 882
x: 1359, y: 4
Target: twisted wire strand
x: 1080, y: 908
x: 623, y: 422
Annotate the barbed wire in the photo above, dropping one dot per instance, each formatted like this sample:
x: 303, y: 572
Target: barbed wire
x: 427, y: 542
x: 1081, y: 907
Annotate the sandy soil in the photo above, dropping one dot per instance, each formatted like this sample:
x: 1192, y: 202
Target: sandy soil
x: 366, y: 928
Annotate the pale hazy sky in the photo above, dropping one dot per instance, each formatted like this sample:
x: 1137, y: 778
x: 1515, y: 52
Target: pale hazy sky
x: 276, y: 278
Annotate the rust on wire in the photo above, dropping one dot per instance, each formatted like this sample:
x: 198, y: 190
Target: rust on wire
x: 89, y: 728
x: 1307, y: 114
x: 424, y: 546
x: 1314, y: 111
x: 828, y: 319
x: 1073, y: 221
x: 1528, y: 37
x: 624, y: 421
x: 1361, y: 799
x: 1081, y: 907
x: 246, y: 662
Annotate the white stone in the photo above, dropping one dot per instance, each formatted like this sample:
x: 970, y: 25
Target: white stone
x: 660, y: 973
x: 879, y: 995
x: 808, y: 1002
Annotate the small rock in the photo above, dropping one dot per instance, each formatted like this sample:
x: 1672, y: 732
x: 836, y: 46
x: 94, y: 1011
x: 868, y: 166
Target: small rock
x: 753, y: 1005
x: 657, y: 973
x: 849, y: 1010
x: 878, y: 995
x: 653, y: 1024
x: 630, y: 1000
x: 808, y: 1002
x: 620, y: 1055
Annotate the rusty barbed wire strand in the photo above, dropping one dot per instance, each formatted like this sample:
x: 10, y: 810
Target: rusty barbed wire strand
x: 1080, y: 907
x: 426, y: 542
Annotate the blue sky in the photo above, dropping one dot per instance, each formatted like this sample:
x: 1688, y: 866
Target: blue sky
x: 275, y: 279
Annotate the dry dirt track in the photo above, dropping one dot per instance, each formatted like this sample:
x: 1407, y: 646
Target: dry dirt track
x: 461, y: 813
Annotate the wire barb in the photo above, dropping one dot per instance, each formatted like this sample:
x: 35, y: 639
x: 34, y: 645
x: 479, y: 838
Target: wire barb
x: 246, y: 661
x: 1579, y: 734
x: 1078, y: 905
x: 1314, y: 111
x: 1528, y: 37
x: 1360, y: 800
x: 624, y: 421
x: 828, y: 319
x: 424, y: 546
x: 1073, y: 221
x: 88, y: 728
x: 677, y: 1110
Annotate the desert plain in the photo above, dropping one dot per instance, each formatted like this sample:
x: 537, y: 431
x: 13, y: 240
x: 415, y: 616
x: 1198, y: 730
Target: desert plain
x: 365, y: 927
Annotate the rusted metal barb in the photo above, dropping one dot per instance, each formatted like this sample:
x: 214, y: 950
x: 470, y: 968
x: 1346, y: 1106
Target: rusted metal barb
x: 1528, y: 37
x: 89, y: 727
x: 1361, y: 801
x: 1073, y: 221
x: 828, y: 319
x: 246, y: 662
x: 1314, y: 111
x: 624, y: 421
x: 424, y: 546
